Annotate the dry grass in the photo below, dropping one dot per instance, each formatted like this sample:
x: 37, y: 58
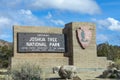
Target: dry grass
x: 3, y: 74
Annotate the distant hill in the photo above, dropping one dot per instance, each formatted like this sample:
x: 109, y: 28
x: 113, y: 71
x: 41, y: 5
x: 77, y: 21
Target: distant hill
x: 5, y: 43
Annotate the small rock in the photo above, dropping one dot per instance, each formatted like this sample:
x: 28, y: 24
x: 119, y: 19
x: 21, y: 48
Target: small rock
x: 67, y: 72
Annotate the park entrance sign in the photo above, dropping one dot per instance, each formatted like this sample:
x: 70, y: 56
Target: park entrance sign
x: 40, y: 42
x: 54, y: 46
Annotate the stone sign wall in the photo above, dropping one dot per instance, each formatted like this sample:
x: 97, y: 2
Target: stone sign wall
x: 79, y: 56
x: 50, y: 46
x: 43, y: 59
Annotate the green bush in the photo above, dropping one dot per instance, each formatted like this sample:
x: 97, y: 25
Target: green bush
x: 5, y: 55
x: 117, y: 63
x: 26, y: 72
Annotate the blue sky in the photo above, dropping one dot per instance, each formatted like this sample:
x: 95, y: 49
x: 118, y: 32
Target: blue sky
x: 105, y: 14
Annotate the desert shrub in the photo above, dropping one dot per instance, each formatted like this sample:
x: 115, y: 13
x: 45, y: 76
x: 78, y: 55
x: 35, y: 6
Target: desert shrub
x: 117, y: 63
x: 26, y: 72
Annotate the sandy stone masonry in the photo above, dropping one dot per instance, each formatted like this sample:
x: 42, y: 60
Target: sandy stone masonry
x: 41, y: 59
x: 74, y: 55
x: 83, y: 58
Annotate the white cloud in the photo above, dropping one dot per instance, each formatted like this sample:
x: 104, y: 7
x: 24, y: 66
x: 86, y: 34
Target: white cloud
x: 102, y: 38
x: 49, y: 15
x: 5, y: 36
x: 57, y: 22
x: 4, y: 21
x: 25, y: 12
x: 5, y: 26
x: 101, y: 23
x: 51, y: 19
x: 19, y: 17
x: 109, y: 23
x: 114, y: 24
x: 81, y: 6
x: 26, y: 17
x: 10, y: 3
